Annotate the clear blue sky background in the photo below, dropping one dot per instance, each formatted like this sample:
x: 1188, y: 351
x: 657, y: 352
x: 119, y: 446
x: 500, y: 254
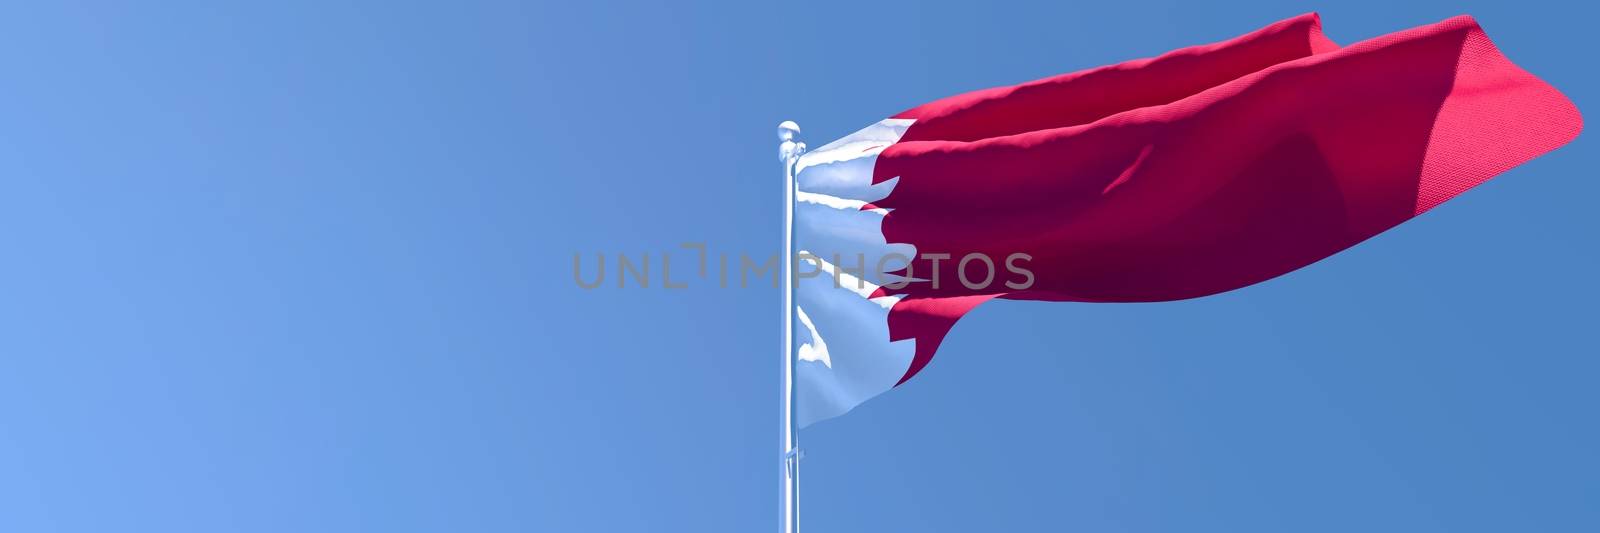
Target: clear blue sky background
x: 306, y: 266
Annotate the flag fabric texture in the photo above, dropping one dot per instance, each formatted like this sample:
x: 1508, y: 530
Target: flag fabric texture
x: 1200, y: 171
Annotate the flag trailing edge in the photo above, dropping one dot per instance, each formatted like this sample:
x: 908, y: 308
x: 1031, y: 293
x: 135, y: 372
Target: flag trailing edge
x: 1200, y: 171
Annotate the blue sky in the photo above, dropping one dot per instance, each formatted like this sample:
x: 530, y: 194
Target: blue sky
x: 307, y: 267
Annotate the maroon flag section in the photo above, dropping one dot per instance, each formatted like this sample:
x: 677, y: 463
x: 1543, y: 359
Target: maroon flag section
x: 1200, y: 171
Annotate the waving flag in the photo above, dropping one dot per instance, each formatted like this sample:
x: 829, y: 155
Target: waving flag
x: 1200, y: 171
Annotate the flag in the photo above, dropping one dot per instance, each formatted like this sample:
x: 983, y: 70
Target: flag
x: 1200, y: 171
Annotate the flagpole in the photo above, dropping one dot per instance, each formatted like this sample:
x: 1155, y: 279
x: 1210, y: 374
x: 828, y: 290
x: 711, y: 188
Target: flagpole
x: 789, y: 152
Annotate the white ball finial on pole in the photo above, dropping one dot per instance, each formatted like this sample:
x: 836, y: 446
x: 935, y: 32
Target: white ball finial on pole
x: 791, y: 148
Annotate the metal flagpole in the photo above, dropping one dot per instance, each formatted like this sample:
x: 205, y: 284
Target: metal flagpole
x: 789, y: 152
